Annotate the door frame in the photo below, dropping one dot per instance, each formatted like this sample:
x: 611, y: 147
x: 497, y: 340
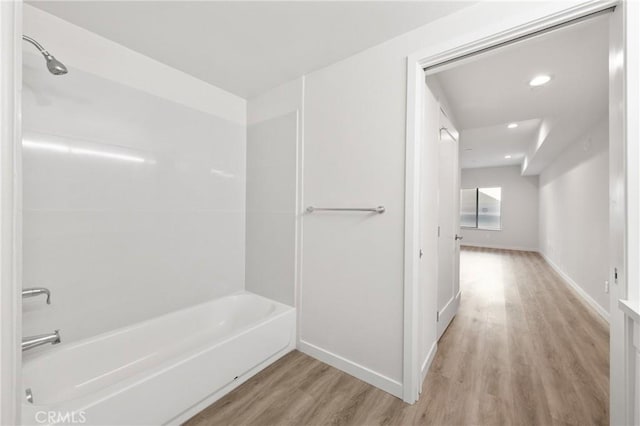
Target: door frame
x: 10, y: 209
x: 416, y: 84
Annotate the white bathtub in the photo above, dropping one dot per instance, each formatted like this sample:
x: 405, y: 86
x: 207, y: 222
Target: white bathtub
x: 160, y: 371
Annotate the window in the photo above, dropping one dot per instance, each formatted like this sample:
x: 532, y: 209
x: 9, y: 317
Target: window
x: 480, y: 208
x: 468, y: 208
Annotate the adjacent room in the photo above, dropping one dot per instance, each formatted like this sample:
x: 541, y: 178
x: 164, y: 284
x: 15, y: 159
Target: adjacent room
x: 532, y: 136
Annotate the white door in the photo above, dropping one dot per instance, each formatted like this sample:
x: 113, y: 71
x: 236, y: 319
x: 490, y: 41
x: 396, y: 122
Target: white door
x: 449, y: 224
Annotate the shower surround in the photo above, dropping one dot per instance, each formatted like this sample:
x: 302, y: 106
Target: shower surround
x: 134, y: 217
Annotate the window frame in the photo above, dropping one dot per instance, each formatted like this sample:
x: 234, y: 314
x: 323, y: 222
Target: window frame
x: 477, y: 227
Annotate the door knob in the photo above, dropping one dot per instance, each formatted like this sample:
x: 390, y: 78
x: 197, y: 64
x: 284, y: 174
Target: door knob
x: 458, y: 237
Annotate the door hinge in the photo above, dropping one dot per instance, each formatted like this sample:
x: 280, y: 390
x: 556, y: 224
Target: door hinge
x: 615, y: 275
x: 437, y: 316
x: 421, y: 253
x: 438, y: 231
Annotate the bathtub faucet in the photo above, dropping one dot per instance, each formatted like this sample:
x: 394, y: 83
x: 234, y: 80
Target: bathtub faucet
x: 41, y: 339
x: 36, y: 291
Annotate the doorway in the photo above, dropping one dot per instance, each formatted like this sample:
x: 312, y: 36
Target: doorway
x: 416, y: 132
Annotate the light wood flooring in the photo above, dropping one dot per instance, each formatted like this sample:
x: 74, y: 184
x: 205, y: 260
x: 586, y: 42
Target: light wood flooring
x: 523, y: 350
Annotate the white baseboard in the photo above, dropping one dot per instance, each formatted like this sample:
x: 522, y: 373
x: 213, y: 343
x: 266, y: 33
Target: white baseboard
x: 363, y: 373
x: 447, y: 313
x: 426, y: 364
x: 574, y: 286
x: 499, y: 246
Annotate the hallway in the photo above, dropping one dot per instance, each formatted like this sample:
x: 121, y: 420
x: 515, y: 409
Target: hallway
x: 523, y: 350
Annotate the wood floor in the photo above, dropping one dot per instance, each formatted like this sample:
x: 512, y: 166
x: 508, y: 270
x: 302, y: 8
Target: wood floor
x: 523, y: 350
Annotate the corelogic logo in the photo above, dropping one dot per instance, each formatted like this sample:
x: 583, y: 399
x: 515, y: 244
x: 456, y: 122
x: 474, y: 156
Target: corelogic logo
x: 62, y: 417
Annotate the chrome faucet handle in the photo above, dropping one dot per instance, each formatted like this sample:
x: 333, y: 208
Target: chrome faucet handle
x: 36, y: 291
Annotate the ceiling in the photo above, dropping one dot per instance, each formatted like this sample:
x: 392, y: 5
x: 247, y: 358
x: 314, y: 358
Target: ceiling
x: 245, y: 47
x: 487, y: 146
x: 491, y: 90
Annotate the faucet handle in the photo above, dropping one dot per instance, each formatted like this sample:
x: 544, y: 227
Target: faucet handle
x: 35, y: 291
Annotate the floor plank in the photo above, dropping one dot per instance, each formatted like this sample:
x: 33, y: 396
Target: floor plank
x: 523, y: 350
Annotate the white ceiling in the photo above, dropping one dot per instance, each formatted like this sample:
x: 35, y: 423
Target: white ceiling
x: 487, y: 146
x: 249, y: 47
x: 491, y: 90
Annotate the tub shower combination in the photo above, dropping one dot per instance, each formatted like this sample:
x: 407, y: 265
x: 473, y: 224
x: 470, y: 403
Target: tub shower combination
x: 55, y: 67
x: 162, y: 370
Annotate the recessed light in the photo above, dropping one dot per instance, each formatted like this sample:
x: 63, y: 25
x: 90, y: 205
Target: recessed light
x: 512, y: 125
x: 539, y: 80
x: 507, y: 157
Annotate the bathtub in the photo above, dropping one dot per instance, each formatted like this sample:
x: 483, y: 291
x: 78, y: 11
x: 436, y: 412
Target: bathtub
x: 161, y: 371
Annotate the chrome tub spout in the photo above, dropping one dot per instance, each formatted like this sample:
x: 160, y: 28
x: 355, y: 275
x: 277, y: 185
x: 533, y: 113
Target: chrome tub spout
x: 41, y: 339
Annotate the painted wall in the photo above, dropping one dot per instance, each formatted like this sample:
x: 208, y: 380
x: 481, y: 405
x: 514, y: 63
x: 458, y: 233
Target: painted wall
x: 273, y: 136
x: 354, y: 155
x: 519, y: 213
x: 574, y: 213
x: 354, y: 145
x: 134, y: 199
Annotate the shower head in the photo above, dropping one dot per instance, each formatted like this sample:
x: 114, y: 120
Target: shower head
x: 54, y: 66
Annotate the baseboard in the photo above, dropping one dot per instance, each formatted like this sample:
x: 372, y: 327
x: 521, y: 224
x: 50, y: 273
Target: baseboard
x: 499, y: 247
x: 579, y: 290
x: 426, y: 364
x: 363, y: 373
x: 447, y: 313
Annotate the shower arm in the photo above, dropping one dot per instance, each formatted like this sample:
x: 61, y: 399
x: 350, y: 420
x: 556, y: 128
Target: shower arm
x: 37, y: 45
x: 54, y: 66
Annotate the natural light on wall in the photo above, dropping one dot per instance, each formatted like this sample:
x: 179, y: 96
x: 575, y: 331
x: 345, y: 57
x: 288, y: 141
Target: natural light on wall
x: 117, y: 154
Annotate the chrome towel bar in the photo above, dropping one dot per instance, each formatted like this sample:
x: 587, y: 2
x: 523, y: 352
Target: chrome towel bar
x: 379, y: 209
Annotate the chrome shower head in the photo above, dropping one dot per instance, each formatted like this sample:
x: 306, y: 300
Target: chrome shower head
x: 54, y: 66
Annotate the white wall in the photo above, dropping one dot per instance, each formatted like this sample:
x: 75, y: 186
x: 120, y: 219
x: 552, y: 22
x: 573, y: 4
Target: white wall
x: 354, y: 154
x: 271, y: 203
x: 519, y: 213
x: 134, y: 185
x: 351, y: 295
x: 574, y: 213
x: 273, y: 136
x: 97, y: 55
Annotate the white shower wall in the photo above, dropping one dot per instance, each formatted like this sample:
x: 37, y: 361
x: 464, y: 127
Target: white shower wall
x: 274, y: 149
x: 271, y: 207
x: 134, y: 195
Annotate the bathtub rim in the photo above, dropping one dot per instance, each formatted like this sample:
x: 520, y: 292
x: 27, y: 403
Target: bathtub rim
x: 92, y: 398
x: 29, y: 358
